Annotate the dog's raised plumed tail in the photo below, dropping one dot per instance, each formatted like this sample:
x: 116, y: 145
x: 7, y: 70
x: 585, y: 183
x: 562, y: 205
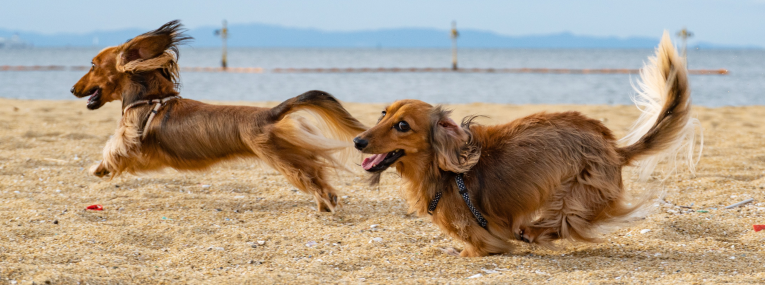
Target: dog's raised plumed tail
x: 665, y: 130
x: 342, y: 125
x: 331, y: 118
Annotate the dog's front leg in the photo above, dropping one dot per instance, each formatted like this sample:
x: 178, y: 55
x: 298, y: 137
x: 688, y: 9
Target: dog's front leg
x: 121, y: 147
x: 472, y: 251
x: 99, y: 169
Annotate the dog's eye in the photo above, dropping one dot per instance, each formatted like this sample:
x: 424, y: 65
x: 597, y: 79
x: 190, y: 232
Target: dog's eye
x: 382, y: 116
x: 92, y: 65
x: 402, y: 126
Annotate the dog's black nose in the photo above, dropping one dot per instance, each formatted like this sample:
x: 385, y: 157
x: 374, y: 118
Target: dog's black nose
x: 72, y: 90
x: 360, y: 143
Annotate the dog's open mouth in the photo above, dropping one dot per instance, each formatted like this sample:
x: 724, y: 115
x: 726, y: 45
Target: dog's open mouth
x: 94, y: 101
x: 382, y: 161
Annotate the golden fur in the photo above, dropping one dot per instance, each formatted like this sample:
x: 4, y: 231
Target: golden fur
x: 541, y: 178
x: 190, y: 135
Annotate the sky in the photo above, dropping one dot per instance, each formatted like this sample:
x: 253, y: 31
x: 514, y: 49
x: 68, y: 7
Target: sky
x: 726, y: 22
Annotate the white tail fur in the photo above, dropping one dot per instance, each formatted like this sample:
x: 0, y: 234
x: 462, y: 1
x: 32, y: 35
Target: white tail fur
x: 343, y: 152
x: 652, y: 95
x: 314, y: 135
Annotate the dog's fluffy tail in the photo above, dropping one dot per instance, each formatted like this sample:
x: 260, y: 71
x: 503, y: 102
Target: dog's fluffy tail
x: 665, y: 130
x: 332, y: 119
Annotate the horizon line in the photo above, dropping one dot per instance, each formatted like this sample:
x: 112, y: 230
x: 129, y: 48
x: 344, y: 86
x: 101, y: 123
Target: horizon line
x: 692, y: 43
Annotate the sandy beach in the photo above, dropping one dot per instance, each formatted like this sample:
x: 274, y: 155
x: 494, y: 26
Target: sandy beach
x: 243, y: 223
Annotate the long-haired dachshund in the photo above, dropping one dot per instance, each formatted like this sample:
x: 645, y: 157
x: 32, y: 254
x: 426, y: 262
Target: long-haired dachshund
x: 541, y: 178
x: 159, y: 129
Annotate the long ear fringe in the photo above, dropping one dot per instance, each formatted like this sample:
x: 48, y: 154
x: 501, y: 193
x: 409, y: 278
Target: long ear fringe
x: 176, y: 31
x: 167, y: 61
x: 452, y: 153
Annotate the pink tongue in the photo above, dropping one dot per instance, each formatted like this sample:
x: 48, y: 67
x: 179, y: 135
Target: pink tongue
x: 371, y: 161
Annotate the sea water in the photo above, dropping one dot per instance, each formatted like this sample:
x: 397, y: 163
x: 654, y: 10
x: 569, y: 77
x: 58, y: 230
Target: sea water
x: 744, y: 85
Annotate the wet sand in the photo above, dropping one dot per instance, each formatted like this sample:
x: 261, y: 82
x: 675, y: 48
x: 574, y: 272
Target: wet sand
x: 243, y: 223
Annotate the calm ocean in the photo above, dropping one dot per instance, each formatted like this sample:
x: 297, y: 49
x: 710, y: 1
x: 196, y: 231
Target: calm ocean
x: 745, y: 85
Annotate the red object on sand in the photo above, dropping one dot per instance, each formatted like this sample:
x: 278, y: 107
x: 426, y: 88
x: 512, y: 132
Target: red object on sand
x: 95, y: 207
x: 758, y: 228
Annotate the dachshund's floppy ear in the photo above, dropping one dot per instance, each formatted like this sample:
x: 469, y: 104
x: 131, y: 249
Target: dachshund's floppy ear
x: 453, y: 145
x: 152, y: 50
x: 450, y: 128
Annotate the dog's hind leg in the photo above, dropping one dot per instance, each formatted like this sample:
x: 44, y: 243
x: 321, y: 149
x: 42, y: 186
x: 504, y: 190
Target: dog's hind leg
x: 576, y: 209
x: 566, y: 215
x: 305, y: 168
x: 309, y: 176
x: 296, y: 148
x: 305, y: 172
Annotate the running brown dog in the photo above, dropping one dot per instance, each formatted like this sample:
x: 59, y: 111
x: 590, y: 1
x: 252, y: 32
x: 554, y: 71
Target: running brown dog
x: 158, y: 129
x: 538, y: 179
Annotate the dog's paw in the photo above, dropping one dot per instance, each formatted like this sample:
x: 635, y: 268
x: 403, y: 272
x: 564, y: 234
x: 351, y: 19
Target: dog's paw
x: 329, y: 204
x: 522, y: 236
x: 450, y: 251
x: 323, y: 208
x: 99, y: 170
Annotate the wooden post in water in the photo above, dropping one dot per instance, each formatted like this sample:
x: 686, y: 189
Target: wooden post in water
x: 223, y: 33
x: 685, y: 34
x: 454, y: 36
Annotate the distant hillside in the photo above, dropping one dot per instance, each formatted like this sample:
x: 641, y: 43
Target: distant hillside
x: 262, y: 35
